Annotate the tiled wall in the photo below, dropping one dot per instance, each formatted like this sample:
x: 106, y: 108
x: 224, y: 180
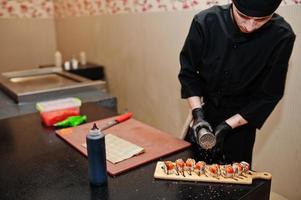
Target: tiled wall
x: 96, y: 7
x: 26, y: 8
x: 64, y: 8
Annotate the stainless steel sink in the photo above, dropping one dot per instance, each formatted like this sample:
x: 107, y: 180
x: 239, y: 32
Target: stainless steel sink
x: 20, y: 85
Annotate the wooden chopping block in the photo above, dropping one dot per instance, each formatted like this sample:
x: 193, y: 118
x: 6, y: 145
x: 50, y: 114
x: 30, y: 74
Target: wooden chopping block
x: 246, y: 179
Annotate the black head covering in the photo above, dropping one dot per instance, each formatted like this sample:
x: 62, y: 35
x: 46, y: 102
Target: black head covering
x: 257, y: 8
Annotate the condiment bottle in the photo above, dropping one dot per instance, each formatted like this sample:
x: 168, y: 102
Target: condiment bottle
x: 82, y: 58
x: 96, y: 157
x: 58, y: 59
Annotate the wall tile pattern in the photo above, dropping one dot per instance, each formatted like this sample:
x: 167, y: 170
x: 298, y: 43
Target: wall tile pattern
x: 26, y: 8
x: 66, y: 8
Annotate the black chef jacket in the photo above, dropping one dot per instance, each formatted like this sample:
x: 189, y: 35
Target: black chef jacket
x: 238, y: 72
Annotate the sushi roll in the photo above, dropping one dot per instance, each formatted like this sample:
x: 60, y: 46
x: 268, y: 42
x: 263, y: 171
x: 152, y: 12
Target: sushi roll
x: 169, y: 167
x: 214, y: 170
x: 238, y: 169
x: 227, y: 171
x: 180, y: 166
x: 246, y: 167
x: 189, y: 165
x: 200, y: 167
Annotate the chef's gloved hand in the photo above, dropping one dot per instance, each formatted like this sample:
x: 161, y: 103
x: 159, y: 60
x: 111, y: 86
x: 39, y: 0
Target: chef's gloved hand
x: 199, y: 122
x: 220, y: 133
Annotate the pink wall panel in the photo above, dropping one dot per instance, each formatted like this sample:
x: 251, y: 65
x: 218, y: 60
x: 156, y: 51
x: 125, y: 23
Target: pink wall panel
x: 26, y: 8
x: 65, y: 8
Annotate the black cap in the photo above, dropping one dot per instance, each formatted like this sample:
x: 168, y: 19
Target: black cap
x: 257, y: 8
x: 94, y: 127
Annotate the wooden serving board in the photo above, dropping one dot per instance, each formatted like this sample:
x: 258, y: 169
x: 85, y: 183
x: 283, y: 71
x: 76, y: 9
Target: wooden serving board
x: 246, y: 179
x: 155, y: 143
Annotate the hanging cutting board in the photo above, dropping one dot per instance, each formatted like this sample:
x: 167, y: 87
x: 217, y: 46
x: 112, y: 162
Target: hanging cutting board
x: 245, y: 179
x: 156, y: 143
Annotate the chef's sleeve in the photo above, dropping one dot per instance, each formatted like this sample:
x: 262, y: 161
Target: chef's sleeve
x: 190, y: 58
x: 264, y: 100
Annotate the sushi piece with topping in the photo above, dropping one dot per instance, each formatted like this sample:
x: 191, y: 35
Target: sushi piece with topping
x: 214, y: 170
x: 169, y: 167
x: 189, y: 165
x: 227, y: 171
x: 180, y: 166
x: 238, y: 169
x: 200, y: 167
x: 246, y: 167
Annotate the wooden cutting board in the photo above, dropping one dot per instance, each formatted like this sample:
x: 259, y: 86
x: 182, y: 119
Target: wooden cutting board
x: 246, y: 179
x: 155, y: 143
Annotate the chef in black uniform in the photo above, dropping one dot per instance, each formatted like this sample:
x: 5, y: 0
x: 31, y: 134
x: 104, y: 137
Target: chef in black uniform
x: 233, y: 70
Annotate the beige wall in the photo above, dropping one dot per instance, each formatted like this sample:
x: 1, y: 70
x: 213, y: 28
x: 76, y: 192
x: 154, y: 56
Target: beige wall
x: 140, y: 52
x: 26, y: 43
x: 278, y: 145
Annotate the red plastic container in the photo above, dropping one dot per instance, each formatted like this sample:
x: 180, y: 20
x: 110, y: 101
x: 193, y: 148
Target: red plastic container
x: 58, y: 110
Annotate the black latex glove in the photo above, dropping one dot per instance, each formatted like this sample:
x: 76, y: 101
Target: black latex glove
x: 220, y: 133
x: 199, y: 122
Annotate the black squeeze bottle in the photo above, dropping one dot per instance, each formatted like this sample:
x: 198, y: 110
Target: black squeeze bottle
x: 97, y: 157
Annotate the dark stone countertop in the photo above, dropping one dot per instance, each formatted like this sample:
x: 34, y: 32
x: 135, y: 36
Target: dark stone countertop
x: 36, y: 164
